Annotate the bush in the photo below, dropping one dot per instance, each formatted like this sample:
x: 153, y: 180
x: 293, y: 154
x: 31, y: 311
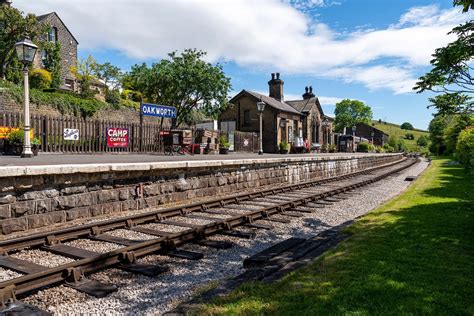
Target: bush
x: 224, y: 142
x: 422, y: 141
x: 371, y: 148
x: 113, y: 97
x: 407, y: 126
x: 284, y: 146
x: 379, y: 149
x: 132, y: 95
x: 465, y: 148
x: 363, y: 147
x: 332, y: 148
x: 40, y: 79
x: 16, y: 136
x: 388, y: 148
x: 409, y: 136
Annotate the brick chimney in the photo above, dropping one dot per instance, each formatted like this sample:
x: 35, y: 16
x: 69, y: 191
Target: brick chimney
x: 6, y: 2
x: 308, y: 94
x: 275, y: 86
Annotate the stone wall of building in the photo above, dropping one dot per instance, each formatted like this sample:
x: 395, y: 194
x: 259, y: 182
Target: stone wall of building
x: 41, y: 196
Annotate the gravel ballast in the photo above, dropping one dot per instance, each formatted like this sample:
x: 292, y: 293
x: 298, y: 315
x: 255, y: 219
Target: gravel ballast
x: 143, y: 295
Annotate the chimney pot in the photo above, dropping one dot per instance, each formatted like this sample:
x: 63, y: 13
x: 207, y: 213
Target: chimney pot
x: 273, y: 76
x: 306, y: 89
x: 310, y: 89
x: 278, y: 75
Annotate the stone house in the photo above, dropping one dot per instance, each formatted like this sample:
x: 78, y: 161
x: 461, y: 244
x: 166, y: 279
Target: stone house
x: 365, y: 131
x: 59, y: 33
x: 283, y: 121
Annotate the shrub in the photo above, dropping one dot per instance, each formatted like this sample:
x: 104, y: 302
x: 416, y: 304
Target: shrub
x: 332, y: 148
x: 113, y: 97
x: 422, y: 141
x: 284, y: 146
x: 409, y: 136
x: 379, y: 149
x: 388, y: 148
x: 16, y: 136
x: 465, y: 148
x: 363, y: 147
x: 371, y: 148
x: 224, y: 142
x: 40, y: 79
x: 132, y: 95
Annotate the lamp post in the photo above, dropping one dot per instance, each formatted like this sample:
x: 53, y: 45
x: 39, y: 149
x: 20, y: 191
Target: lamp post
x: 260, y: 109
x: 372, y: 136
x: 326, y: 125
x: 26, y: 51
x: 353, y: 137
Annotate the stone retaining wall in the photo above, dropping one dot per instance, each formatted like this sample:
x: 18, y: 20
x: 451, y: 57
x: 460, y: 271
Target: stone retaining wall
x: 41, y: 196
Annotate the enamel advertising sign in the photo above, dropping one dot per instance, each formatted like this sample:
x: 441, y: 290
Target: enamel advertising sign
x: 117, y: 137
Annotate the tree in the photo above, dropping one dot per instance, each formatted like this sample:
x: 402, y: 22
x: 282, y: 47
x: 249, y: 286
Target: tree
x: 52, y: 62
x: 184, y: 81
x: 84, y: 72
x: 13, y: 27
x: 454, y: 125
x: 436, y: 129
x: 109, y: 74
x: 407, y: 126
x: 351, y: 112
x: 452, y: 70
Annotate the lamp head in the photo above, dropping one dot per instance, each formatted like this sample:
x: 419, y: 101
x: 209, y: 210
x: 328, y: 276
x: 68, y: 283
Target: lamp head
x: 26, y: 50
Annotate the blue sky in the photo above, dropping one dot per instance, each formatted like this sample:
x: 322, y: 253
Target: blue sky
x: 370, y: 50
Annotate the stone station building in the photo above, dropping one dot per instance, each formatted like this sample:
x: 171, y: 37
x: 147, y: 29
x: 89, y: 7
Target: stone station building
x: 283, y: 121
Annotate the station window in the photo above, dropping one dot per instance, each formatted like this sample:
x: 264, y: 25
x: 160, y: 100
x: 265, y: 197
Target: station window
x: 52, y: 35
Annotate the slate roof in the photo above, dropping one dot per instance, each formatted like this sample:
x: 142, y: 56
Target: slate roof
x: 304, y: 106
x: 269, y: 101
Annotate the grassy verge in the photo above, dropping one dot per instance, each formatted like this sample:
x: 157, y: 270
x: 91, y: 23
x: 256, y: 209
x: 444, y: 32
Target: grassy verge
x: 413, y: 255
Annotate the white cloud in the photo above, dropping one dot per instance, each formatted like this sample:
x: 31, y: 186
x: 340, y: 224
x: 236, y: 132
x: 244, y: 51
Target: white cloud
x: 265, y: 34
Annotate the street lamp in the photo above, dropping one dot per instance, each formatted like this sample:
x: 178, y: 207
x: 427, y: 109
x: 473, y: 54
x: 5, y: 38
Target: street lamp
x: 26, y: 51
x: 353, y: 137
x: 260, y: 108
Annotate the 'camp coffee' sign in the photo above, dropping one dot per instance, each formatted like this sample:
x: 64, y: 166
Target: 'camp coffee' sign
x: 117, y: 137
x: 158, y: 110
x: 71, y: 134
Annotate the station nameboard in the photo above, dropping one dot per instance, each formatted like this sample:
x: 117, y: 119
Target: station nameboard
x: 117, y: 137
x: 157, y: 110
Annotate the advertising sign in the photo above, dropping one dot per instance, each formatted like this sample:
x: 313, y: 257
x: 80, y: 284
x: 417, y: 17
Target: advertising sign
x: 71, y: 134
x: 158, y: 110
x: 117, y: 137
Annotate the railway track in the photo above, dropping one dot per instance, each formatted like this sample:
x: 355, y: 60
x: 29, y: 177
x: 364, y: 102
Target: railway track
x: 194, y: 222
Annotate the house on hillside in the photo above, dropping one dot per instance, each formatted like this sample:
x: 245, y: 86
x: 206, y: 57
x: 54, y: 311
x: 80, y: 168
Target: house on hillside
x: 366, y: 131
x: 283, y: 121
x: 59, y: 33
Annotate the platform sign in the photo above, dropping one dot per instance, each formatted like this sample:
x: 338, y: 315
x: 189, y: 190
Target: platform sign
x: 117, y: 137
x: 157, y: 110
x: 71, y: 134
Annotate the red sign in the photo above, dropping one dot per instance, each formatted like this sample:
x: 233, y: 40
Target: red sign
x: 117, y: 137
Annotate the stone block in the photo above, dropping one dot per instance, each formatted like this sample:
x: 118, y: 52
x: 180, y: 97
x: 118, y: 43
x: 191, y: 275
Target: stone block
x: 178, y: 196
x: 129, y: 205
x: 86, y: 199
x: 43, y: 206
x: 41, y: 220
x: 5, y: 212
x: 64, y: 202
x: 152, y: 189
x: 74, y: 190
x: 182, y: 185
x: 212, y: 181
x: 79, y: 212
x: 7, y: 199
x: 108, y: 196
x: 167, y: 188
x: 221, y: 180
x: 23, y: 208
x: 109, y: 208
x: 124, y: 194
x: 14, y: 225
x: 23, y: 183
x: 96, y: 210
x: 6, y: 184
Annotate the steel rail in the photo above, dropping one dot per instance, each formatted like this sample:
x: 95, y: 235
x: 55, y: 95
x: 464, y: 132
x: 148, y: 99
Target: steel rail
x: 64, y: 234
x: 77, y: 269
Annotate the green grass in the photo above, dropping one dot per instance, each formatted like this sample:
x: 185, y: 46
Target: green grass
x: 395, y: 130
x: 413, y: 255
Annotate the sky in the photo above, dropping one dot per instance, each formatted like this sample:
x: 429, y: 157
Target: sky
x: 369, y: 50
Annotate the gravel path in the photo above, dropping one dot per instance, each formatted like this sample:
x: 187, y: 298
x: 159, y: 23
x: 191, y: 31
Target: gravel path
x: 150, y: 296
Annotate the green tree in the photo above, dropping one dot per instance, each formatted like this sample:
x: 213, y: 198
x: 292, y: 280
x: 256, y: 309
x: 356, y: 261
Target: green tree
x: 454, y: 125
x: 436, y: 129
x: 109, y: 74
x: 13, y: 27
x: 351, y: 112
x: 451, y: 74
x: 406, y: 125
x: 465, y: 147
x: 84, y: 72
x: 52, y: 62
x: 184, y: 81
